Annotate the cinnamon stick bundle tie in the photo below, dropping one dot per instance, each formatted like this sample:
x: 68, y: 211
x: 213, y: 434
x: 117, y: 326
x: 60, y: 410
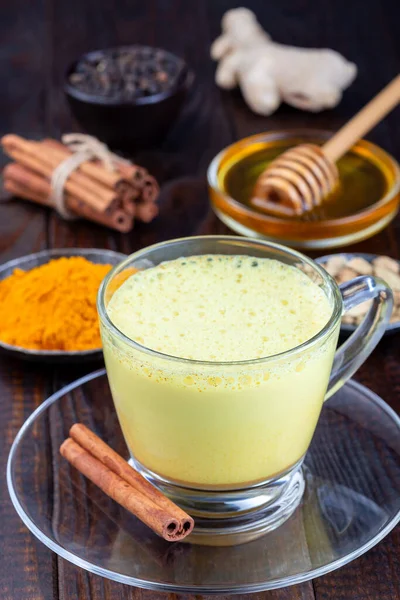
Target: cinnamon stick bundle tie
x: 81, y: 142
x: 57, y: 183
x: 114, y: 476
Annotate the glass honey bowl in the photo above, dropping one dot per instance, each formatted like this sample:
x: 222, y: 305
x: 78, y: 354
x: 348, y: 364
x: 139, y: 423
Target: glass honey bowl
x: 366, y: 201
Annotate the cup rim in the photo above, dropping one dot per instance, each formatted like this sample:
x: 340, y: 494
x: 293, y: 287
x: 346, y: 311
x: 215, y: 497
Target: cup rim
x: 310, y: 343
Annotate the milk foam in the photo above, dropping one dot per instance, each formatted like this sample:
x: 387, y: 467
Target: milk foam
x: 220, y: 308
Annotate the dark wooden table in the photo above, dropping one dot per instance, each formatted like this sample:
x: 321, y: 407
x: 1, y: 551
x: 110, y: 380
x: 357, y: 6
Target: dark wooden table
x: 38, y: 40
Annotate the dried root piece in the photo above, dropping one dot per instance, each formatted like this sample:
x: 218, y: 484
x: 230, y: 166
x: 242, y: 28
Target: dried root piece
x: 358, y: 312
x: 335, y: 264
x: 384, y: 267
x: 385, y: 262
x: 346, y: 274
x: 396, y: 307
x: 269, y: 73
x: 349, y: 320
x: 391, y: 278
x: 360, y: 266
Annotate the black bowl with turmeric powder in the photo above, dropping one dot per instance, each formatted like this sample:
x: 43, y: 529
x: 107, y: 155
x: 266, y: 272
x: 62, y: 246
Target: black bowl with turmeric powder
x: 48, y: 304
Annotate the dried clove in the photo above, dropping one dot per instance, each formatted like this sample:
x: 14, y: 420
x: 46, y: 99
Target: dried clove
x: 127, y: 73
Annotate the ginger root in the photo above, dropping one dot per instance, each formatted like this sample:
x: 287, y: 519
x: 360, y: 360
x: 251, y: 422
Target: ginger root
x: 269, y: 73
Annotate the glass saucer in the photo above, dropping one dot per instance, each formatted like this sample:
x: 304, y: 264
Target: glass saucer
x: 351, y: 501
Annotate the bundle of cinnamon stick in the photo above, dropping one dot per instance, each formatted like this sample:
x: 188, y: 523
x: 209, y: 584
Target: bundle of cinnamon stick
x: 112, y: 198
x: 116, y: 478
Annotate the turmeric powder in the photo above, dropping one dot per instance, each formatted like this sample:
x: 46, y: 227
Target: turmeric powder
x: 52, y: 307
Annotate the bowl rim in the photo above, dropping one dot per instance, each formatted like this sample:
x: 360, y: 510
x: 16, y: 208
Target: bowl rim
x: 278, y: 134
x: 50, y: 254
x: 185, y: 81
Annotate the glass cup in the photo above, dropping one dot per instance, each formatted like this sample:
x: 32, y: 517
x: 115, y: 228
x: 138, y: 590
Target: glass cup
x: 226, y: 440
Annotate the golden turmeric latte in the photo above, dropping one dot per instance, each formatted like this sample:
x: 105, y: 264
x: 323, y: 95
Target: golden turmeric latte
x: 52, y: 307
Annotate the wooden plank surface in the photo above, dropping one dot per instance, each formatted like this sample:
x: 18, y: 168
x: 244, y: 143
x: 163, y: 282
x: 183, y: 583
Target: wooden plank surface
x: 27, y: 567
x: 39, y: 39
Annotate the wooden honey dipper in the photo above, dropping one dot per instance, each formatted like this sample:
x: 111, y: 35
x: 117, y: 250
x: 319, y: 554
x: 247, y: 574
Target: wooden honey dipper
x: 303, y: 177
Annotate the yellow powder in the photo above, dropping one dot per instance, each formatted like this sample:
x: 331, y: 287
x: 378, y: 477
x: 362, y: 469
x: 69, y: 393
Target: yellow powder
x: 52, y: 307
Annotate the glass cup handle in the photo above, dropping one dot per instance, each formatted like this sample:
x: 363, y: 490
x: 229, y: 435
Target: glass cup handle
x: 351, y: 355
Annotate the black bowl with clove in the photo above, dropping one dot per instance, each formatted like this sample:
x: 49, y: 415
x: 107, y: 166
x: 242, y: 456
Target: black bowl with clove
x: 128, y: 97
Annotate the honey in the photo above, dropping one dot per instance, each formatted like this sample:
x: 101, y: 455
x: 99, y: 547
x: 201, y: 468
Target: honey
x: 364, y: 202
x: 361, y: 183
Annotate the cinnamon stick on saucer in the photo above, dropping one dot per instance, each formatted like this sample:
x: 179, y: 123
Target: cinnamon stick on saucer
x: 116, y: 478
